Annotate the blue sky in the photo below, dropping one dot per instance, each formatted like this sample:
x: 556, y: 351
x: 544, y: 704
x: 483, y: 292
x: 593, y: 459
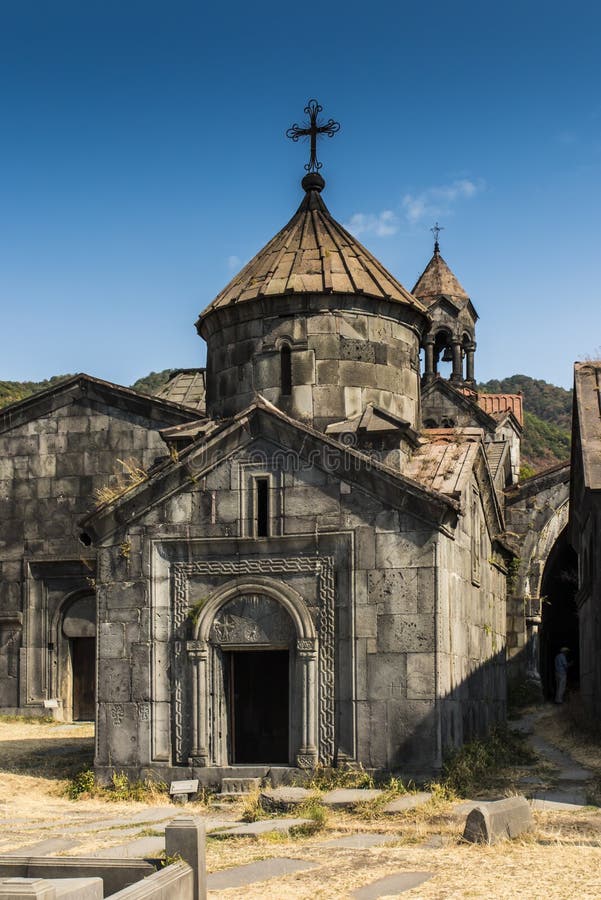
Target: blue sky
x: 143, y: 160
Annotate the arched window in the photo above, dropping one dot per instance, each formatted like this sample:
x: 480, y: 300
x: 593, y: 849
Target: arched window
x: 285, y: 370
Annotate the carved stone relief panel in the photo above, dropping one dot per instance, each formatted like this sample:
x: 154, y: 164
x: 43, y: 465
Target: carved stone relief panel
x: 252, y: 619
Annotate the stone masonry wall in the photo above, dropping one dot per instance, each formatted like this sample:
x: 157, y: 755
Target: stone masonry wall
x: 341, y: 361
x: 471, y: 618
x: 49, y: 470
x: 385, y: 606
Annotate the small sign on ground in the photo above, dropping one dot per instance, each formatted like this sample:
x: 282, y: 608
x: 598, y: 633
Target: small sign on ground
x: 184, y: 787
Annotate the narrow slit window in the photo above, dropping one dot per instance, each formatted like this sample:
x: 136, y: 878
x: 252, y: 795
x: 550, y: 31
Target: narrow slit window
x: 262, y: 507
x: 286, y: 370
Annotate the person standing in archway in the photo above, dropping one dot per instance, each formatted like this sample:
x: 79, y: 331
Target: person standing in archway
x: 561, y: 674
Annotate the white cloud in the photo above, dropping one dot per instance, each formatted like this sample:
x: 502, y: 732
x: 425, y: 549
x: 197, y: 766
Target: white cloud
x: 437, y: 201
x: 382, y: 224
x: 233, y: 263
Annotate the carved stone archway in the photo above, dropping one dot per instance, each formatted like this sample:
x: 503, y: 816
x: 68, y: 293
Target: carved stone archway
x: 257, y: 612
x: 536, y: 513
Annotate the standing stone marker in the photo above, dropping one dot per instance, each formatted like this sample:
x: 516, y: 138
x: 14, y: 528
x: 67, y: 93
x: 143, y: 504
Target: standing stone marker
x: 186, y: 837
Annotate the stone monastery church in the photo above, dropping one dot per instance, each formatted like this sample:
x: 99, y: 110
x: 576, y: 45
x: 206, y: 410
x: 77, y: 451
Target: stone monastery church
x: 315, y: 556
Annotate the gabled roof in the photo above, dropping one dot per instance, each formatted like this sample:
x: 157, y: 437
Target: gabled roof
x: 436, y: 281
x: 462, y: 399
x: 446, y: 464
x: 312, y: 254
x: 263, y: 420
x: 587, y: 395
x: 373, y: 420
x: 186, y: 387
x: 76, y: 387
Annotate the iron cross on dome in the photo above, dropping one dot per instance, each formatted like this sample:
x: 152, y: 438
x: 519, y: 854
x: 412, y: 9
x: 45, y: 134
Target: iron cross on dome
x: 312, y: 129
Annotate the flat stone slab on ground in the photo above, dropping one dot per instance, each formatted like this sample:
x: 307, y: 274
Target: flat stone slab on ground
x: 359, y: 841
x: 42, y: 848
x: 391, y: 884
x: 557, y: 805
x: 346, y: 797
x: 262, y: 827
x: 285, y: 797
x: 240, y: 876
x: 407, y: 801
x: 139, y: 849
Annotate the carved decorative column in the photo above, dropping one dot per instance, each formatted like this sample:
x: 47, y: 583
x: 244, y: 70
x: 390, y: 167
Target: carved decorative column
x: 306, y: 649
x: 469, y: 362
x: 457, y: 374
x: 429, y: 372
x: 198, y: 654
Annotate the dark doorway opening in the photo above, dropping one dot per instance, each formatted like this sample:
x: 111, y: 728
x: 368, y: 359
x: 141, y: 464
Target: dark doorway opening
x: 559, y: 624
x: 258, y: 682
x: 83, y: 664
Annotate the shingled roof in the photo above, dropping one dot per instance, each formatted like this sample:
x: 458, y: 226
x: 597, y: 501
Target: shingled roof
x: 437, y: 280
x: 312, y: 254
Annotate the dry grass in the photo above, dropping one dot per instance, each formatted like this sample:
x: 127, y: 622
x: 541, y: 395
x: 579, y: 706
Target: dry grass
x: 131, y: 475
x: 561, y: 858
x: 568, y: 728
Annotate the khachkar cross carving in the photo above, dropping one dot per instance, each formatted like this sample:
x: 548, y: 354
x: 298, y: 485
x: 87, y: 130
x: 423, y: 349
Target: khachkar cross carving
x: 312, y: 129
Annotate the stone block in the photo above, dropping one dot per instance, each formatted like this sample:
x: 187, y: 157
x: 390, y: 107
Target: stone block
x: 326, y: 346
x: 405, y: 633
x: 394, y: 591
x: 386, y: 675
x: 283, y: 799
x: 303, y: 366
x: 114, y: 679
x: 421, y: 680
x: 490, y: 823
x: 347, y: 798
x: 186, y: 837
x: 413, y: 549
x: 365, y: 622
x: 321, y: 324
x: 327, y: 371
x: 175, y: 882
x: 236, y: 786
x: 353, y: 401
x: 302, y: 401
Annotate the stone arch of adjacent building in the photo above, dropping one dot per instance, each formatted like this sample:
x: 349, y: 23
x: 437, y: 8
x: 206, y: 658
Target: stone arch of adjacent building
x: 73, y: 639
x: 253, y: 668
x: 542, y: 553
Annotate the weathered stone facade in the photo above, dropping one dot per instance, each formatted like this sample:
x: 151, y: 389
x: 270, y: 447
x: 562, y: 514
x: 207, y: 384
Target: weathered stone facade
x: 585, y: 525
x: 56, y: 449
x: 394, y: 632
x: 306, y: 574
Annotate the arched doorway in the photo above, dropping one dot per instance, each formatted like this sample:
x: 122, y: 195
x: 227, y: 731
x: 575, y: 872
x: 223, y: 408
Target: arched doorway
x: 559, y: 616
x: 253, y: 675
x: 77, y: 657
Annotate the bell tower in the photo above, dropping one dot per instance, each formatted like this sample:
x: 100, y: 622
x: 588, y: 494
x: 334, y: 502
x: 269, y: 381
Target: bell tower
x: 452, y: 337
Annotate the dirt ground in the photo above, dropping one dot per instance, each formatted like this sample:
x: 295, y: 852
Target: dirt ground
x: 561, y: 858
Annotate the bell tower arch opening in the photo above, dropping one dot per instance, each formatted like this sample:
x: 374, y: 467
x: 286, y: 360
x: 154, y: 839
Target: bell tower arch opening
x: 559, y: 615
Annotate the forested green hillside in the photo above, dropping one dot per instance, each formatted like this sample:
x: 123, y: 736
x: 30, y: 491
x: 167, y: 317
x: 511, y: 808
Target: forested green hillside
x: 547, y: 419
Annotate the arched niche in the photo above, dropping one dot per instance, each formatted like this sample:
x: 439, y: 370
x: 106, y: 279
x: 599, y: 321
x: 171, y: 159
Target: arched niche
x: 73, y: 678
x: 254, y: 653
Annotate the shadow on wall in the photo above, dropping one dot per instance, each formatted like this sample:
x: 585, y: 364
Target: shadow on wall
x: 467, y: 712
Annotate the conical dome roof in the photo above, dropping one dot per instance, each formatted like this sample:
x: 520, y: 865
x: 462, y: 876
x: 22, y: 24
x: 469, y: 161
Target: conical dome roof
x: 437, y: 280
x: 312, y: 254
